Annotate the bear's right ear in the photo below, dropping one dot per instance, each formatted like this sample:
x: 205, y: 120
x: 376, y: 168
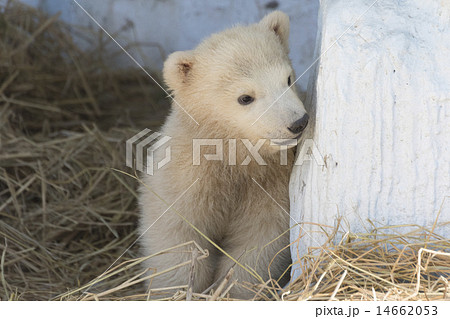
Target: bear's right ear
x: 278, y: 22
x: 178, y: 68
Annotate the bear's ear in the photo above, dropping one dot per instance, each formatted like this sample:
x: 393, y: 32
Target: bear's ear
x: 178, y: 68
x: 278, y: 22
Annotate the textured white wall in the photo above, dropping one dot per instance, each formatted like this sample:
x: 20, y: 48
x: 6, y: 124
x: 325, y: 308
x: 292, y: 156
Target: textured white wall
x: 382, y: 100
x: 182, y: 24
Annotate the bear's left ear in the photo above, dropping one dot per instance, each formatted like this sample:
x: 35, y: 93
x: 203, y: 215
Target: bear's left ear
x: 178, y: 69
x: 278, y: 22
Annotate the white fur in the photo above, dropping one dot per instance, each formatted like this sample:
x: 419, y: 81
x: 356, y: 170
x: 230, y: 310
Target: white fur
x: 225, y: 204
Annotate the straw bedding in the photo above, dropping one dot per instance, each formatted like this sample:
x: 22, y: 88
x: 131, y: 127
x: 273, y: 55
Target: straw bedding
x: 65, y: 215
x: 68, y: 204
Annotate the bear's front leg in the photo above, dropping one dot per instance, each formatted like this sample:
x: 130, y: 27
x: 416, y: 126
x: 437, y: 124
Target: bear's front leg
x: 162, y: 230
x: 259, y: 238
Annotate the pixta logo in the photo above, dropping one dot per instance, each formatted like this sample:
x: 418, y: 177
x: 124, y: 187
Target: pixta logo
x: 146, y: 143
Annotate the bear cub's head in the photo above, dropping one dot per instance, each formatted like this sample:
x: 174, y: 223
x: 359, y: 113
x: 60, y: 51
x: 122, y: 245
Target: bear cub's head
x: 240, y: 82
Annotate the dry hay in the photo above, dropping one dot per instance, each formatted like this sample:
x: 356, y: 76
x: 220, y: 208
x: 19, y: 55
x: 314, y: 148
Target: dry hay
x: 68, y: 212
x: 405, y: 262
x: 398, y: 263
x: 64, y: 117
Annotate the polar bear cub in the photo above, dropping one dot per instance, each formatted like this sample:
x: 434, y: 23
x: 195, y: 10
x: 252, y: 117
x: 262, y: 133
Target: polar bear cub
x: 228, y: 192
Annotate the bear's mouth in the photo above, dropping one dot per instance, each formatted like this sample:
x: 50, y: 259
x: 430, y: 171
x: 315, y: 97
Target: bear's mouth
x: 286, y: 141
x: 298, y: 136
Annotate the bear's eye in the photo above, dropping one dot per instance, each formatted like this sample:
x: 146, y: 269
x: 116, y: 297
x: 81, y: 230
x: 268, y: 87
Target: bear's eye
x: 289, y: 80
x: 245, y: 99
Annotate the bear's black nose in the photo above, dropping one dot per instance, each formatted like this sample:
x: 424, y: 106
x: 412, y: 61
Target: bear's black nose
x: 299, y: 125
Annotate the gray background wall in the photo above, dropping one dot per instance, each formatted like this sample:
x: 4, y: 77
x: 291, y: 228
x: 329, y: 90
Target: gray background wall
x: 164, y: 26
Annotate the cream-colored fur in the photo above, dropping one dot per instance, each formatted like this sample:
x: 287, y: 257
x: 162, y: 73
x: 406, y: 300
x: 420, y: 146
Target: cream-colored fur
x: 225, y: 203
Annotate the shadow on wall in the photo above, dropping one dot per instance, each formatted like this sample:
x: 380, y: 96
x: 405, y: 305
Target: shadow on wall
x: 164, y: 26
